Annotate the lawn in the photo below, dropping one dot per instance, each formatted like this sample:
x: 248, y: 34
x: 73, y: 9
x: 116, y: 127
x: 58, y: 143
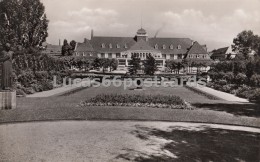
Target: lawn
x: 65, y: 107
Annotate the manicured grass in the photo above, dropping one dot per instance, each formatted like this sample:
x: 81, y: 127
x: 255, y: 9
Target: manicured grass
x: 66, y: 107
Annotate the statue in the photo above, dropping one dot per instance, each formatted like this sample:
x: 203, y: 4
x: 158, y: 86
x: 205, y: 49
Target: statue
x: 6, y: 57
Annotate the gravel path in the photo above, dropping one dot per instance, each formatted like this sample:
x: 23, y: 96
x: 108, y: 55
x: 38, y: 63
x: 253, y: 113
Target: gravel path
x: 58, y: 91
x: 222, y: 95
x: 97, y: 141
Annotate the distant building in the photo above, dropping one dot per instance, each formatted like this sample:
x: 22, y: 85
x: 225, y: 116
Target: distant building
x: 222, y: 54
x: 85, y: 49
x: 54, y: 50
x: 122, y: 48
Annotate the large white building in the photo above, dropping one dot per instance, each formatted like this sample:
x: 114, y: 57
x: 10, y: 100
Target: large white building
x: 122, y: 48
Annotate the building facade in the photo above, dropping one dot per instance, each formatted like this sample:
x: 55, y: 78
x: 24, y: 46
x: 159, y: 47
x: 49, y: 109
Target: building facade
x: 222, y: 54
x: 122, y: 48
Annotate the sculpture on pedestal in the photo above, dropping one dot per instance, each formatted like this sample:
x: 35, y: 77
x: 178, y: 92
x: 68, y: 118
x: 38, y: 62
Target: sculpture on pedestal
x: 6, y: 57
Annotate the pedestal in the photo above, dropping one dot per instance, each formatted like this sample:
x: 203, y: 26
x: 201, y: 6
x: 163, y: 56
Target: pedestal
x: 7, y: 100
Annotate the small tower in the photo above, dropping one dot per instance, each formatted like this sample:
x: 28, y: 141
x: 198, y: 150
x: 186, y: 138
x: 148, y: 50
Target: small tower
x: 141, y: 34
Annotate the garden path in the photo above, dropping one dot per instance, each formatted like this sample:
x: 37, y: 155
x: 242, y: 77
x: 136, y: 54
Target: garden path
x: 222, y: 95
x: 58, y: 91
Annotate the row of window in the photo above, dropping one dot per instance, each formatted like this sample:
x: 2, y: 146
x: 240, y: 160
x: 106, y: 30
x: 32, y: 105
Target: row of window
x: 125, y: 46
x: 122, y: 62
x: 83, y: 54
x: 197, y: 56
x: 111, y: 46
x: 164, y: 47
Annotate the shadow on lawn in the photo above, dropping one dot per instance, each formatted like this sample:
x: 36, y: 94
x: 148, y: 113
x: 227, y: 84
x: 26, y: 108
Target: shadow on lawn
x: 199, y: 144
x: 250, y: 110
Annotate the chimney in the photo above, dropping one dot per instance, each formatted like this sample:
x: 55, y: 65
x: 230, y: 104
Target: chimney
x: 59, y: 42
x: 92, y: 33
x: 85, y: 40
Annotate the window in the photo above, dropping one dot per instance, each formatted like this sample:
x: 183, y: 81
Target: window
x: 117, y: 46
x: 197, y: 56
x: 110, y: 45
x: 90, y: 54
x: 109, y: 55
x: 102, y: 55
x: 164, y: 56
x: 125, y: 45
x: 117, y: 55
x: 77, y: 54
x: 122, y: 62
x: 159, y: 62
x: 179, y: 47
x: 84, y: 54
x: 164, y: 47
x: 171, y: 46
x: 156, y: 46
x: 103, y: 45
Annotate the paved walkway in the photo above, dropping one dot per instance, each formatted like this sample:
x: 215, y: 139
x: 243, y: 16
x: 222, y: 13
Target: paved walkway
x: 222, y: 95
x: 101, y: 141
x: 60, y: 90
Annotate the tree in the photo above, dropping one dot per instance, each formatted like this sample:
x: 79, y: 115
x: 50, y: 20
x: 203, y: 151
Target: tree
x: 150, y: 65
x: 250, y: 67
x: 65, y: 50
x: 134, y: 64
x: 179, y: 67
x: 72, y: 47
x: 23, y: 22
x: 96, y: 63
x: 104, y: 63
x: 171, y: 65
x: 245, y: 43
x: 113, y: 64
x: 73, y: 44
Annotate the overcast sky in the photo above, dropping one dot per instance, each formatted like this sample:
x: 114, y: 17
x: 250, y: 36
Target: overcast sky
x: 211, y: 22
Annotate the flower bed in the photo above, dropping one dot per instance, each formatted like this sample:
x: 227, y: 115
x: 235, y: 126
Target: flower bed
x: 137, y: 100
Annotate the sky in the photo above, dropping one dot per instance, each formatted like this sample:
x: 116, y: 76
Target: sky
x: 211, y: 22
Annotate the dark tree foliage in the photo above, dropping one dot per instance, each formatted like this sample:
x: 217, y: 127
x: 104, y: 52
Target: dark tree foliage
x: 65, y: 50
x: 23, y: 22
x: 150, y: 65
x: 250, y: 67
x: 73, y: 44
x: 171, y: 65
x: 245, y: 43
x: 96, y: 63
x: 104, y: 63
x: 113, y: 64
x: 134, y: 65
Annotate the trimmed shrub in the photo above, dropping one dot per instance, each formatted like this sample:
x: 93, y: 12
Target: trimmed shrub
x: 40, y: 75
x: 20, y: 92
x: 229, y: 77
x: 240, y: 78
x: 244, y: 91
x: 222, y: 82
x: 255, y: 96
x: 255, y: 80
x: 227, y: 88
